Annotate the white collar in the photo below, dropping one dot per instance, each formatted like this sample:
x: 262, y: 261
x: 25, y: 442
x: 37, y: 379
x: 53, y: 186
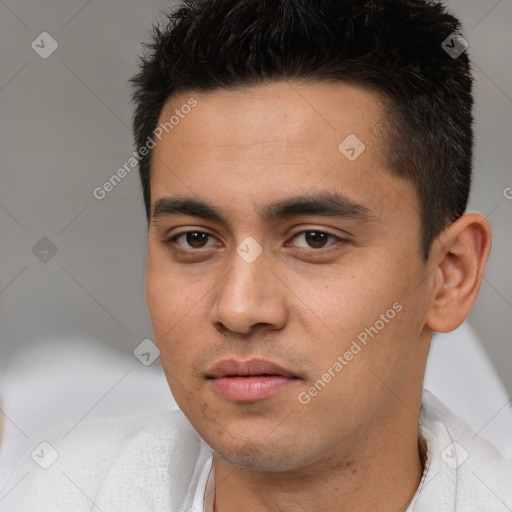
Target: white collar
x: 462, y: 471
x: 204, y: 496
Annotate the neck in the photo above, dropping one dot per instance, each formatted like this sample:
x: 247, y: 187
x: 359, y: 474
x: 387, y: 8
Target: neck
x: 382, y: 476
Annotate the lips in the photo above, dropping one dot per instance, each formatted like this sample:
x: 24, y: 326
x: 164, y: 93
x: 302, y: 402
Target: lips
x: 232, y: 368
x: 249, y: 381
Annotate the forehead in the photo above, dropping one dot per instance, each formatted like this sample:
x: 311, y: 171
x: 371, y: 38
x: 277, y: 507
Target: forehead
x: 293, y: 112
x: 255, y: 142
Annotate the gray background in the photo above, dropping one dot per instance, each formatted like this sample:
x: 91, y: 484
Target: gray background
x: 65, y: 129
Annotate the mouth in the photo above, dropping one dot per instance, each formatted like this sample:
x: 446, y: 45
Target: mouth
x: 249, y: 381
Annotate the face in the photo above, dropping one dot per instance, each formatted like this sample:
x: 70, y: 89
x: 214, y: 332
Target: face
x: 285, y: 281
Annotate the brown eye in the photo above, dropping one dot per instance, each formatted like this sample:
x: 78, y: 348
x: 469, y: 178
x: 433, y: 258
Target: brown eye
x: 196, y: 239
x: 314, y: 239
x: 192, y: 240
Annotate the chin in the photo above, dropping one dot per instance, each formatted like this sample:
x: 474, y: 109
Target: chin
x: 259, y: 458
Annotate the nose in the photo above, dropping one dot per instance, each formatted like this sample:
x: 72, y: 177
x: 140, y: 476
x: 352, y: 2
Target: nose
x: 249, y: 297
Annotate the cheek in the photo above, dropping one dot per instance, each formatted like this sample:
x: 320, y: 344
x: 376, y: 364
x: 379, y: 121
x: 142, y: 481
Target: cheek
x: 351, y: 303
x: 370, y: 318
x: 174, y: 307
x: 161, y: 302
x: 168, y: 298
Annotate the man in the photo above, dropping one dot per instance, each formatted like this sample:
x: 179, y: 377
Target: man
x: 305, y: 168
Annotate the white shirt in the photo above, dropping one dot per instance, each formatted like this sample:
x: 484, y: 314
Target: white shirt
x: 158, y: 463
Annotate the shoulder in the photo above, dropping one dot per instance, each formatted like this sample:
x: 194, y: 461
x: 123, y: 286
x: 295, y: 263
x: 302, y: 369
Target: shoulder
x: 465, y: 471
x: 78, y: 466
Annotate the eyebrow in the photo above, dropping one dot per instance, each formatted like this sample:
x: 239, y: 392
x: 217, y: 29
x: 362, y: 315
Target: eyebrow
x: 325, y: 204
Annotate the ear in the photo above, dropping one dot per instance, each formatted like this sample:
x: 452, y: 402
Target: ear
x: 461, y: 252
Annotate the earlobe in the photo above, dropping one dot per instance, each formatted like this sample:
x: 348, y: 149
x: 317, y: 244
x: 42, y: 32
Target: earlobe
x: 462, y: 251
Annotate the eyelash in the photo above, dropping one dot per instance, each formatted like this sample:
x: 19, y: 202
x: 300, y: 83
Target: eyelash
x: 173, y: 240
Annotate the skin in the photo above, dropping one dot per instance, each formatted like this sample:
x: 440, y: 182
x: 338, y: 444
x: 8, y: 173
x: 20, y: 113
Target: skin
x: 353, y: 446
